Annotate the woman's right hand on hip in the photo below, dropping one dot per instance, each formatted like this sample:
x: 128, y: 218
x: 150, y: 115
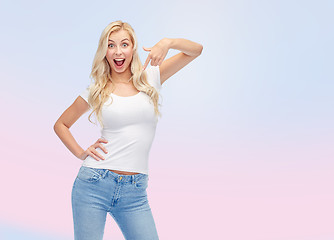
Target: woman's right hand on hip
x: 91, y: 151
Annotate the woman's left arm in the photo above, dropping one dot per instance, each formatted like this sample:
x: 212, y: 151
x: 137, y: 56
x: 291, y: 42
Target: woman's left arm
x: 186, y: 46
x: 189, y: 51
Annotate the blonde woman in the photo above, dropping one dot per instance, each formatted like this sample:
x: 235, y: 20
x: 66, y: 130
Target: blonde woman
x: 124, y: 96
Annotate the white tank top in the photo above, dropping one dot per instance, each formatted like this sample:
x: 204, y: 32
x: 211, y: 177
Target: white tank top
x: 129, y: 127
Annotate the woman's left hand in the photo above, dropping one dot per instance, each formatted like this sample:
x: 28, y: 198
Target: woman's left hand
x: 157, y: 53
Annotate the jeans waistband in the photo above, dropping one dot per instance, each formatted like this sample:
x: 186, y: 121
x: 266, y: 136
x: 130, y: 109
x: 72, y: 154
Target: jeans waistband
x: 119, y: 177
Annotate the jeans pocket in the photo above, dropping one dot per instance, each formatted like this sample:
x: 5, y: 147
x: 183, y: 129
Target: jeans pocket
x: 142, y: 182
x: 88, y: 174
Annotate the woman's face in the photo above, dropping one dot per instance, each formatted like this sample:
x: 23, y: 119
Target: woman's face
x: 119, y: 48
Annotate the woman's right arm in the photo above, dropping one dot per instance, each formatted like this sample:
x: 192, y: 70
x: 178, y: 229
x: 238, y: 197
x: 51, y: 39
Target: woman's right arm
x: 66, y: 120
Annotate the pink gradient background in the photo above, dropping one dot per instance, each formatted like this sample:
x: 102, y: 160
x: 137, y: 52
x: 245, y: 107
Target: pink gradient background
x: 244, y: 149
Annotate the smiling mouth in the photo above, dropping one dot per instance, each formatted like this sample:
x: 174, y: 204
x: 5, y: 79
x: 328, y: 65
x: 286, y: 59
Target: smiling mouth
x: 119, y: 63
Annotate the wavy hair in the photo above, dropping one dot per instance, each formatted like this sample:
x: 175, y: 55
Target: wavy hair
x: 101, y: 73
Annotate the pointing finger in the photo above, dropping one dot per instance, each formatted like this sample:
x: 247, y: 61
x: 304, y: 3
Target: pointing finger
x: 146, y: 62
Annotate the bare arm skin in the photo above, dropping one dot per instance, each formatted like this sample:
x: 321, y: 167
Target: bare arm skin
x: 66, y: 120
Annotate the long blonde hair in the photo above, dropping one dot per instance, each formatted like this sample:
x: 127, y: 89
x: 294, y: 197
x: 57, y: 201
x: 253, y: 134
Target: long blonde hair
x: 101, y: 73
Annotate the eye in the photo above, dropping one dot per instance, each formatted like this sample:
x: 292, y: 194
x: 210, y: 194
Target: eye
x: 110, y: 44
x: 125, y: 44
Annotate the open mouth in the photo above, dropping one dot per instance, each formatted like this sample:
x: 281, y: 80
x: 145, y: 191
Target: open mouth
x: 119, y: 62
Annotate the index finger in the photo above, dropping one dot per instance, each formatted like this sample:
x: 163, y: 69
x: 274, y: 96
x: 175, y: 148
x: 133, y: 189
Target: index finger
x: 146, y: 62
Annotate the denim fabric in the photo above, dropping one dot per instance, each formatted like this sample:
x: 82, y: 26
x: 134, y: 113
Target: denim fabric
x: 97, y: 191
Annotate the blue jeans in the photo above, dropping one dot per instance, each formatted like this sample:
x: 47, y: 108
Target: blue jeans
x: 98, y: 191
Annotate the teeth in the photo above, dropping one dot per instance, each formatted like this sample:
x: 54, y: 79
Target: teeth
x: 118, y: 60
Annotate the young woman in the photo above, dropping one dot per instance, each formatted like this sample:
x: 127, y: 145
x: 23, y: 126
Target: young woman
x: 124, y: 96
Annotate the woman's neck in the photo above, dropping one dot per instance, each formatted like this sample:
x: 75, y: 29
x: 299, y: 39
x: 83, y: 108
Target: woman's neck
x: 124, y: 77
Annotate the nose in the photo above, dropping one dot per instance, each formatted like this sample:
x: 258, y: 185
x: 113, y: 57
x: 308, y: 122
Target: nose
x: 118, y: 51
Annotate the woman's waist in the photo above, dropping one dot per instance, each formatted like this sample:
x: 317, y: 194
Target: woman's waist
x: 124, y: 148
x: 129, y: 132
x: 141, y: 139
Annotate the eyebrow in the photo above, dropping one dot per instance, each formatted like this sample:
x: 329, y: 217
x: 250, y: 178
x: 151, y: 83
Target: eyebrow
x: 121, y: 41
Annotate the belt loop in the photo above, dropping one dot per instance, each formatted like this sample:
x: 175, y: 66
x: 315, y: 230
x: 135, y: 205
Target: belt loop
x: 133, y: 178
x: 105, y: 173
